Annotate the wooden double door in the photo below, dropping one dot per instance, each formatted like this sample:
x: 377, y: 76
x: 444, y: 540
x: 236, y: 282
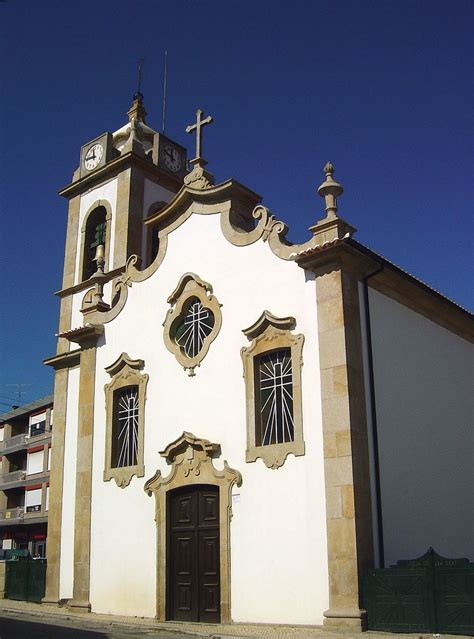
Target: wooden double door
x: 193, y: 570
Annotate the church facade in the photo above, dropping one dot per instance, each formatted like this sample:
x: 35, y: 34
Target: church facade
x: 243, y: 427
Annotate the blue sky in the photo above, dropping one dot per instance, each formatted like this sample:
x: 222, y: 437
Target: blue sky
x: 383, y: 89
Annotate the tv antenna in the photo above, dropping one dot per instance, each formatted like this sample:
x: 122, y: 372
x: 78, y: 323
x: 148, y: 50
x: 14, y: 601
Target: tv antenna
x: 19, y: 389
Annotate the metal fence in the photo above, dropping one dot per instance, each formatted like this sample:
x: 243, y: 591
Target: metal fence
x: 25, y: 579
x: 429, y: 594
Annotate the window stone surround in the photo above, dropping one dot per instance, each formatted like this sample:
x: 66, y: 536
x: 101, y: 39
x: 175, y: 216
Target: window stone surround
x: 190, y: 286
x: 125, y: 372
x: 270, y: 333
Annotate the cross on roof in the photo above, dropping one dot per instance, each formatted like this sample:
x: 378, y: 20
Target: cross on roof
x: 198, y: 126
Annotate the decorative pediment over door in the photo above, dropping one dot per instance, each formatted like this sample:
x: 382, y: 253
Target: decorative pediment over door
x: 191, y: 461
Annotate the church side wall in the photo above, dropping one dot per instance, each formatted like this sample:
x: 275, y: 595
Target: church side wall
x: 69, y: 487
x: 279, y: 567
x: 423, y: 389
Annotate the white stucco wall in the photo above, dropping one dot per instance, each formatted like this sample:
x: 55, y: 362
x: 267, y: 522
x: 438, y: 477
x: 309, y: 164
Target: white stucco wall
x: 424, y: 405
x: 278, y: 530
x: 69, y: 487
x: 152, y: 193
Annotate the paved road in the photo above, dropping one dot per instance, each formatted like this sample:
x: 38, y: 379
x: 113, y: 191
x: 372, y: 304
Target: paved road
x: 14, y: 627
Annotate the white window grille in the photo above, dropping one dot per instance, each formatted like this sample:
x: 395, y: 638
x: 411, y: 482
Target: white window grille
x: 275, y: 424
x: 196, y: 325
x: 125, y: 435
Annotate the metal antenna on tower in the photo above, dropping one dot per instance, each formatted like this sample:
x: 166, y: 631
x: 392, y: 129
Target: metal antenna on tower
x: 140, y: 77
x: 164, y: 91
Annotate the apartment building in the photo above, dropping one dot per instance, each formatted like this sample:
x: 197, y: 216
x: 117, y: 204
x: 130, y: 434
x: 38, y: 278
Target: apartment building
x: 25, y: 444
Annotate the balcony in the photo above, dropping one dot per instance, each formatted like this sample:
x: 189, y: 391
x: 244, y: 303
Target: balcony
x: 11, y: 516
x: 40, y: 438
x: 12, y: 444
x: 36, y: 478
x: 12, y: 480
x: 35, y: 515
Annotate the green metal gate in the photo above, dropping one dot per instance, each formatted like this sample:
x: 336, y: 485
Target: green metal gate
x: 25, y: 579
x: 429, y: 594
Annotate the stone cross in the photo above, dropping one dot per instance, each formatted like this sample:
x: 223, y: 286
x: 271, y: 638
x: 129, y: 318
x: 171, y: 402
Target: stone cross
x: 198, y: 126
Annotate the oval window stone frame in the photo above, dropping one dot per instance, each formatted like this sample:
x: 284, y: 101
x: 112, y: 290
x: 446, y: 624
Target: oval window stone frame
x: 190, y: 286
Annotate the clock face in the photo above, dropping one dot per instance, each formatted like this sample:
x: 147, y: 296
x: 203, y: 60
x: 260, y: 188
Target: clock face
x: 93, y: 156
x: 171, y: 158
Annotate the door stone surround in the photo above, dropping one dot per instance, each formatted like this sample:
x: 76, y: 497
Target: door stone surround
x: 191, y: 461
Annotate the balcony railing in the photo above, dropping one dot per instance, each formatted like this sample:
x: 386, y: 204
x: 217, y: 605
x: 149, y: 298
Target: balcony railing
x: 35, y: 516
x: 11, y: 515
x: 38, y: 437
x: 24, y: 440
x: 18, y: 442
x: 7, y: 479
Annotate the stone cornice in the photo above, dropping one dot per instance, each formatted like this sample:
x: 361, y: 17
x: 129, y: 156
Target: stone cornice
x: 82, y: 286
x: 116, y: 166
x: 188, y: 439
x: 122, y: 361
x: 389, y: 279
x: 85, y: 336
x: 64, y: 360
x: 339, y: 253
x: 268, y: 319
x: 228, y: 190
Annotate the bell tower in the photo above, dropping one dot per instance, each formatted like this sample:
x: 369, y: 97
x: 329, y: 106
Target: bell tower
x: 123, y: 177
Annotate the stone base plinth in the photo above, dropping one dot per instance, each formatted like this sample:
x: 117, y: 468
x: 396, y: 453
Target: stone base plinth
x: 47, y: 601
x: 345, y: 620
x: 79, y: 606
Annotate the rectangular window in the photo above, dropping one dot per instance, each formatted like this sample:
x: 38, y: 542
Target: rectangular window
x: 33, y: 500
x: 274, y: 398
x: 125, y: 427
x: 34, y: 462
x: 38, y: 428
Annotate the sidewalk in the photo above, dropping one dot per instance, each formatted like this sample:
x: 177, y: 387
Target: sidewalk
x: 212, y: 631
